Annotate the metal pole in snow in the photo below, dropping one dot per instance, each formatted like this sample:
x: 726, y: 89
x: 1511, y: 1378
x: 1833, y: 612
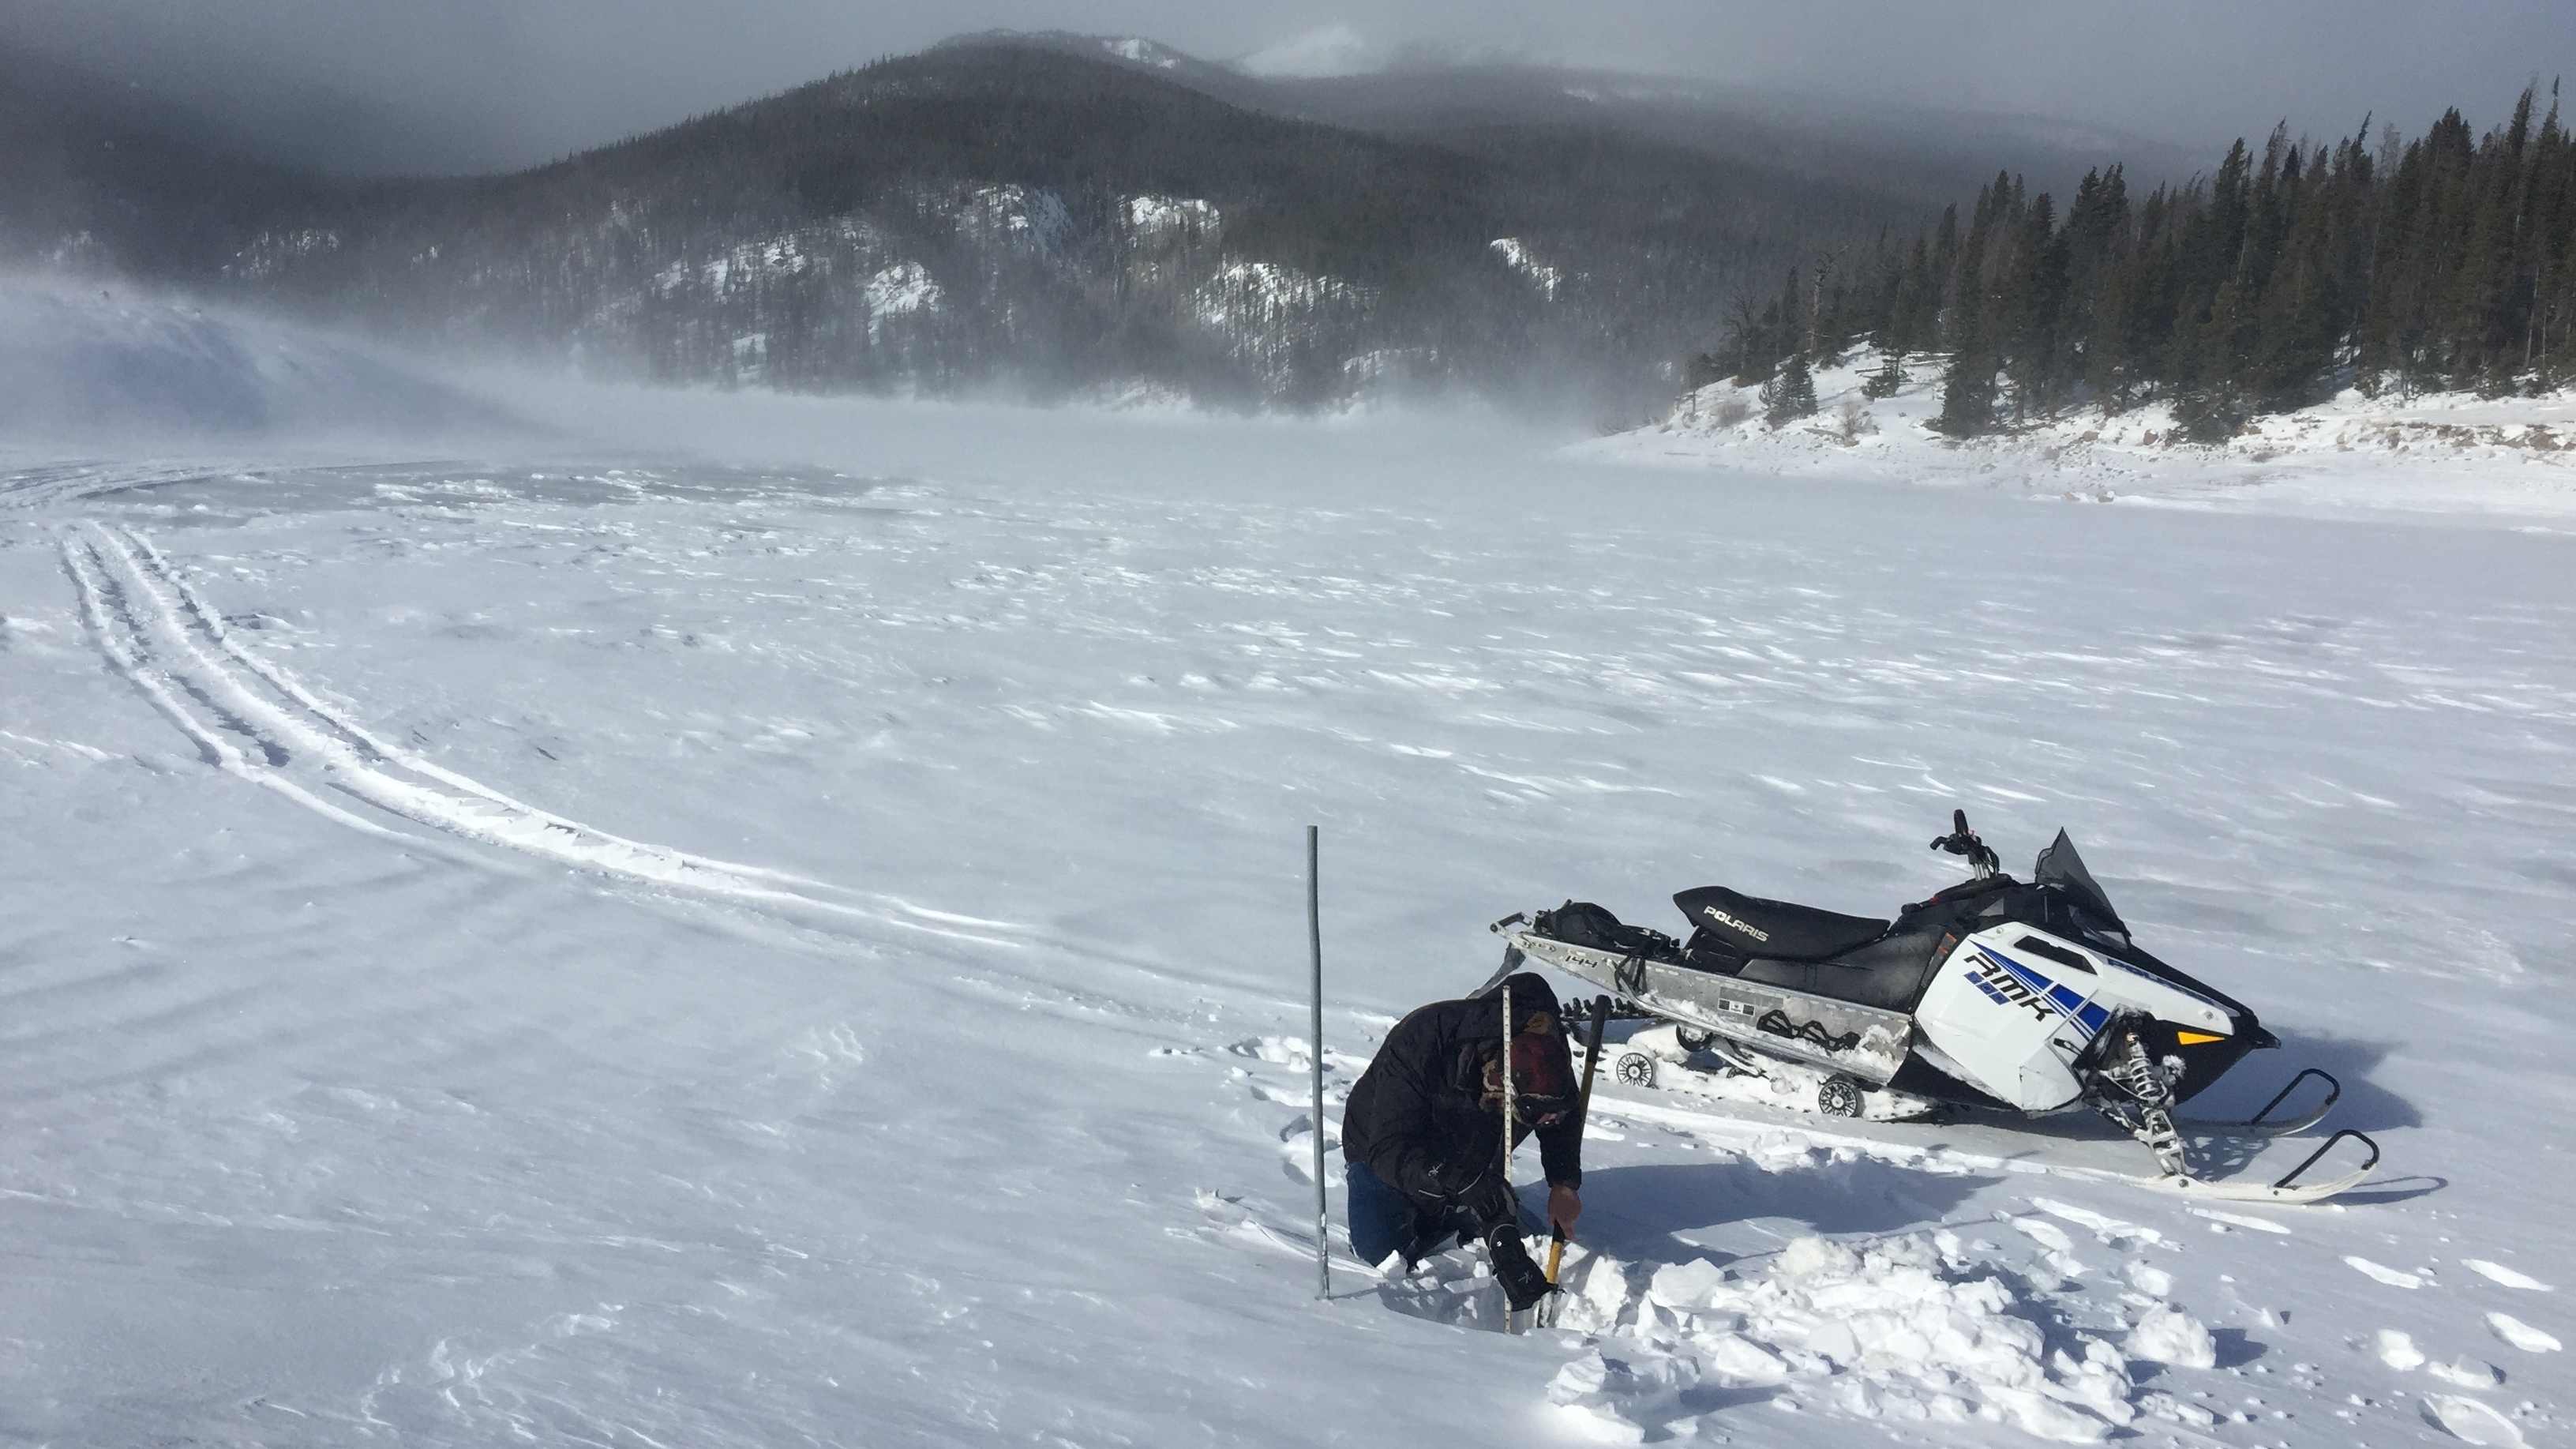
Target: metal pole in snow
x: 1315, y: 1041
x: 1511, y: 1106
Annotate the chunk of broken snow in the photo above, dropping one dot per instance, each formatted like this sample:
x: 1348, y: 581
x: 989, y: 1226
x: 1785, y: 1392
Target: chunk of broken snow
x: 1686, y: 1286
x: 2167, y: 1335
x: 1734, y: 1359
x: 2036, y: 1414
x: 2152, y: 1281
x: 2397, y: 1350
x: 1579, y: 1379
x: 1808, y: 1257
x: 2180, y: 1411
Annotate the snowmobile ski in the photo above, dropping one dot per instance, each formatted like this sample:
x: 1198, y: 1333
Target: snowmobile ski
x: 1886, y: 1138
x: 2287, y: 1188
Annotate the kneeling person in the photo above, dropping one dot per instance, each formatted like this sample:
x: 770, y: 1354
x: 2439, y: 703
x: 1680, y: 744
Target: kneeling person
x: 1422, y: 1132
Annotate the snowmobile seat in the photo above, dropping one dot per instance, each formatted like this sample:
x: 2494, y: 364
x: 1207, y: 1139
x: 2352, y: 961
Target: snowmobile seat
x: 1889, y: 973
x: 1779, y: 930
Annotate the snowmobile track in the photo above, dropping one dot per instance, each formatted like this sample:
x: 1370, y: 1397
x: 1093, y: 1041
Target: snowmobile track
x: 39, y: 487
x: 251, y: 718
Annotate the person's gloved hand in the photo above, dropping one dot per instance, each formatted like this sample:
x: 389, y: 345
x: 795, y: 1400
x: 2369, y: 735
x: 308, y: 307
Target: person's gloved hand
x: 1523, y: 1283
x: 1493, y: 1205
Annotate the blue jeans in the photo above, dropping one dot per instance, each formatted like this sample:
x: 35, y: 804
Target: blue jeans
x: 1385, y: 1221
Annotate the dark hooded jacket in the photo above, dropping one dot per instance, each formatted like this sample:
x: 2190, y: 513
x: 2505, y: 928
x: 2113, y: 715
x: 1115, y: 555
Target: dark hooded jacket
x: 1417, y: 1118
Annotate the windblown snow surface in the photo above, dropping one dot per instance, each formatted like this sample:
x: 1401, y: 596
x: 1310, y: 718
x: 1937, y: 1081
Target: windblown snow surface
x: 787, y: 927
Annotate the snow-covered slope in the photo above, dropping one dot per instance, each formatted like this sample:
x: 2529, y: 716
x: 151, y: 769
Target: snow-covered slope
x: 613, y: 947
x: 88, y: 366
x: 2445, y: 454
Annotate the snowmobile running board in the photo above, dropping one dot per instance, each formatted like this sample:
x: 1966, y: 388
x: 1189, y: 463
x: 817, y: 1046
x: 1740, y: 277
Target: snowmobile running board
x: 1863, y: 1042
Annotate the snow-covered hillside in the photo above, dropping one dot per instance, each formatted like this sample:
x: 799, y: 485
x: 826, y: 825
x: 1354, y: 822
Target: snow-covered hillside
x: 2449, y: 454
x: 83, y: 366
x: 783, y: 924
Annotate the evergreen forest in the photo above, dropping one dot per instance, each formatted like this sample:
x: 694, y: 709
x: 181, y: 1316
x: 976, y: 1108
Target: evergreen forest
x: 2395, y: 266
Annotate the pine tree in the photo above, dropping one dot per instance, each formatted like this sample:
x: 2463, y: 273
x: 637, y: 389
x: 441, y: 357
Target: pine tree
x: 2214, y: 406
x: 2029, y: 296
x: 1918, y: 322
x: 1968, y: 382
x: 2295, y: 330
x: 1889, y: 377
x: 2096, y: 235
x: 1791, y: 392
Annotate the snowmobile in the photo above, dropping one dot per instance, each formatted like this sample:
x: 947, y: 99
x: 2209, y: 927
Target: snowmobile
x: 2026, y: 997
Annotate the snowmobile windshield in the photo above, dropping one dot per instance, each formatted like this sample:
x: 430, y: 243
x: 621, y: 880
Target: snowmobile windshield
x: 2060, y: 866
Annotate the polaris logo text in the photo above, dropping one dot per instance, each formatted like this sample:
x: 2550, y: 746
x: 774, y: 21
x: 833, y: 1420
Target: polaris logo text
x: 1731, y: 923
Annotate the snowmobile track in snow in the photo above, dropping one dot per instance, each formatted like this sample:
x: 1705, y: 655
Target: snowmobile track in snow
x: 249, y: 717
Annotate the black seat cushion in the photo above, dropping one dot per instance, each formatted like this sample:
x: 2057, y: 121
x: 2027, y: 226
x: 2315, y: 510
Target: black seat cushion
x: 1889, y: 973
x: 1776, y: 929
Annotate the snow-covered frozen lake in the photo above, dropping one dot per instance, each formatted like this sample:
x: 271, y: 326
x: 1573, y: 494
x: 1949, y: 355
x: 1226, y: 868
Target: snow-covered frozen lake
x: 786, y: 927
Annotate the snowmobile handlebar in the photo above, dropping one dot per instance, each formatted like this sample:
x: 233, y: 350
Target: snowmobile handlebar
x: 1963, y: 841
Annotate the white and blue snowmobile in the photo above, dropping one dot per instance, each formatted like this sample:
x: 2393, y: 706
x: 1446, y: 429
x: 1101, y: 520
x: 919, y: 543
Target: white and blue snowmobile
x: 1997, y: 994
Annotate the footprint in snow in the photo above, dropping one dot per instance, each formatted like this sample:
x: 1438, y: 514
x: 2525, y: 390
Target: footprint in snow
x: 2471, y: 1422
x: 2468, y: 1373
x: 2498, y: 1272
x: 2385, y: 1274
x: 2108, y: 1229
x: 2045, y: 1233
x: 2522, y: 1335
x: 1281, y: 1051
x: 2225, y: 1220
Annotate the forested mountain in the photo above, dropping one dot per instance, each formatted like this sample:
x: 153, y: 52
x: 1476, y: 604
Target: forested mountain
x: 103, y: 177
x: 1048, y: 215
x: 2448, y: 261
x: 1015, y: 215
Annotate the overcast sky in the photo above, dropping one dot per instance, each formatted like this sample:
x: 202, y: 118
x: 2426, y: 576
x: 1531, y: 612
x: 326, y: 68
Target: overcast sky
x: 495, y: 82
